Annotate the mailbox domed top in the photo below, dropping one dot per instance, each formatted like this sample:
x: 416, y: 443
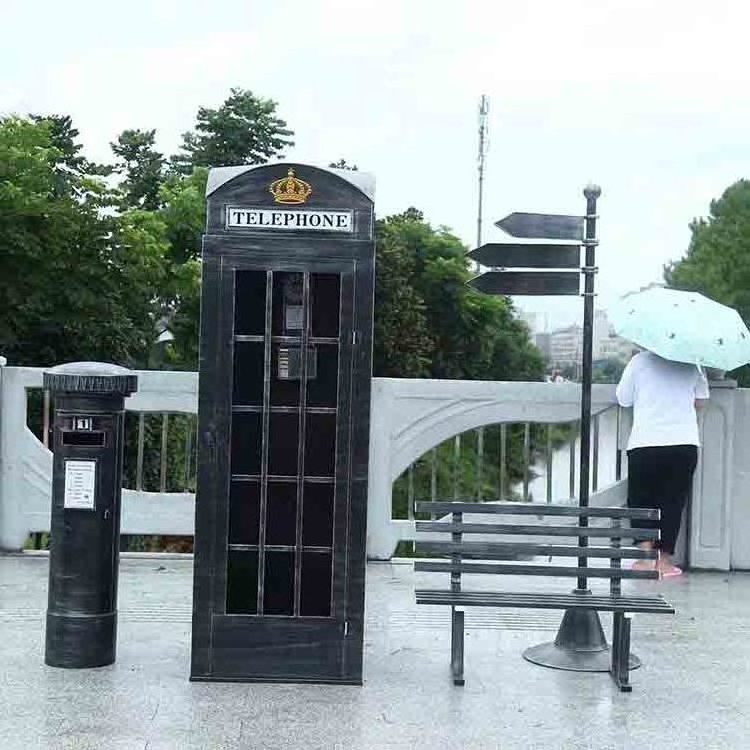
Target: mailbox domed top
x: 91, y: 377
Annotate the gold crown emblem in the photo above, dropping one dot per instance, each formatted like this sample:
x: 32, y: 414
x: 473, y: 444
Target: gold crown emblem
x: 290, y: 189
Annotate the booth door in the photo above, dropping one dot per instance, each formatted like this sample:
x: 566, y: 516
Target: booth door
x: 285, y: 557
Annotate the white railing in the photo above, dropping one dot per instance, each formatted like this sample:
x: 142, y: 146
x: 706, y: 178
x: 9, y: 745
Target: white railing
x: 410, y: 418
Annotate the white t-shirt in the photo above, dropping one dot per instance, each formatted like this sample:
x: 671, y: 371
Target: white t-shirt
x: 662, y: 394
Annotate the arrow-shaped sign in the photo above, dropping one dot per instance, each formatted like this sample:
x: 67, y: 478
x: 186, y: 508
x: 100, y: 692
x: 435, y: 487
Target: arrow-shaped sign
x: 509, y: 255
x: 528, y: 282
x: 543, y: 226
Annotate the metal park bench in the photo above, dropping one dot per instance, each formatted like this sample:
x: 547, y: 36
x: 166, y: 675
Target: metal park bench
x: 504, y: 555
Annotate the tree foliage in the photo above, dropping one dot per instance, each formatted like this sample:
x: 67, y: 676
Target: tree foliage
x: 76, y: 281
x: 717, y: 262
x: 141, y: 166
x: 245, y: 129
x: 429, y: 323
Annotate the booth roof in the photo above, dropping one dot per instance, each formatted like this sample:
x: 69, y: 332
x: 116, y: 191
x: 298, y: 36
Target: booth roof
x: 363, y: 181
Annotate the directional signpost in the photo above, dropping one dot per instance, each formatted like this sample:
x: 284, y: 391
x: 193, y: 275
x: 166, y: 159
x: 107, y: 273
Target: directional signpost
x: 580, y: 634
x: 543, y: 226
x: 529, y: 282
x: 527, y: 255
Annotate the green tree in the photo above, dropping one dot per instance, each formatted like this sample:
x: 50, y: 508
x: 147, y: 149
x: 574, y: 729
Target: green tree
x: 71, y: 166
x: 717, y: 262
x: 343, y: 164
x: 142, y: 167
x: 403, y: 343
x: 76, y: 280
x: 450, y: 329
x: 245, y: 129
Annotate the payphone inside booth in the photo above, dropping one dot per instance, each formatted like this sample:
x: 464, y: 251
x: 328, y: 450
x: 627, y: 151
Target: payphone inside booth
x: 285, y: 369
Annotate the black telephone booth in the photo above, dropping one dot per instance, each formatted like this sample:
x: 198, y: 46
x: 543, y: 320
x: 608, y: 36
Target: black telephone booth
x: 285, y: 367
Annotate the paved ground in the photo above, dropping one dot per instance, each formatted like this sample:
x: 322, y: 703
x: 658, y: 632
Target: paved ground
x: 693, y: 691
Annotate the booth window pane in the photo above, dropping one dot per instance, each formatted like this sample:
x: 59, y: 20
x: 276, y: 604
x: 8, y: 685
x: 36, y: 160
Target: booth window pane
x: 322, y: 390
x: 244, y: 512
x: 320, y: 445
x: 315, y: 595
x: 246, y: 440
x: 242, y: 583
x: 248, y: 373
x: 278, y: 591
x: 317, y: 515
x: 282, y: 445
x: 281, y: 513
x: 287, y: 304
x: 250, y: 303
x: 325, y: 293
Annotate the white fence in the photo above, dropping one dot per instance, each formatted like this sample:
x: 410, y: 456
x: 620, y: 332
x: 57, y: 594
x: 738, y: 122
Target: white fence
x: 409, y: 418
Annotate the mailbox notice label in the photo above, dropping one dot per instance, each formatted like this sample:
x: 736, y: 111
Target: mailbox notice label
x: 80, y: 481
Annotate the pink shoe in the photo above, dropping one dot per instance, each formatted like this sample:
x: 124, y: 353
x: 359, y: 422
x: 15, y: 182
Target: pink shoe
x: 671, y: 572
x: 638, y: 564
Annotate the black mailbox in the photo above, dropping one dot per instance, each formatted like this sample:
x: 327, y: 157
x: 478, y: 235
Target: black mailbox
x: 285, y: 370
x: 85, y: 529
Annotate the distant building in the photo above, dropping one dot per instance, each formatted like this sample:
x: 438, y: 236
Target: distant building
x: 566, y: 348
x: 536, y: 321
x: 614, y: 347
x: 543, y: 342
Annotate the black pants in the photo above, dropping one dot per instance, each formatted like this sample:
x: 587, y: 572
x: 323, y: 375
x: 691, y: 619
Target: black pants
x: 660, y: 477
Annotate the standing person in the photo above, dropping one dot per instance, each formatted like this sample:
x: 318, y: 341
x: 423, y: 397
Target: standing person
x: 663, y: 445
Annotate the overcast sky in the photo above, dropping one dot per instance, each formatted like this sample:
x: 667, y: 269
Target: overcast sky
x: 648, y: 98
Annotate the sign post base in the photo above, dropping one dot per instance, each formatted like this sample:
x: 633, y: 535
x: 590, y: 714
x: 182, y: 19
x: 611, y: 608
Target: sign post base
x: 580, y: 645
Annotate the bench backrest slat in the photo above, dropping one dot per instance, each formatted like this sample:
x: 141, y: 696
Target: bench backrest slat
x: 535, y: 509
x: 501, y: 557
x: 536, y: 530
x: 530, y: 570
x: 510, y: 550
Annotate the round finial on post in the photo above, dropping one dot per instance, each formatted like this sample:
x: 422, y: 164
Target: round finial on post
x: 592, y: 191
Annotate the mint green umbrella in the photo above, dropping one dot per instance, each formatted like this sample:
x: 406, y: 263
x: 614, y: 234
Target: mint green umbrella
x: 683, y: 327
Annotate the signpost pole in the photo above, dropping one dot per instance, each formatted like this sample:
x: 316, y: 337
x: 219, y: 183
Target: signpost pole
x: 580, y: 644
x: 592, y: 193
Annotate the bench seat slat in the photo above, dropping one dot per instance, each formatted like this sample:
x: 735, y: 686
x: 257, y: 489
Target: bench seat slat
x: 535, y: 509
x: 536, y: 530
x: 541, y: 600
x: 505, y: 550
x: 426, y: 566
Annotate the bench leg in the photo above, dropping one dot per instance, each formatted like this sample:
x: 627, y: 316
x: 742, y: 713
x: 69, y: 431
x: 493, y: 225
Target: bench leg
x: 457, y: 645
x: 620, y: 668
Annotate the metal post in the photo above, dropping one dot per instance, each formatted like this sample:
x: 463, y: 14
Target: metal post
x: 45, y: 418
x: 503, y: 459
x: 595, y: 458
x: 456, y: 466
x: 549, y: 463
x: 484, y: 108
x: 572, y: 457
x: 526, y: 460
x: 163, y: 455
x: 480, y: 461
x: 592, y: 193
x: 618, y: 452
x: 139, y: 458
x: 410, y: 493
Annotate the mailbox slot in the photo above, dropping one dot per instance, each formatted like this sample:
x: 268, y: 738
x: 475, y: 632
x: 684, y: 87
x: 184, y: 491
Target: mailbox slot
x: 96, y: 439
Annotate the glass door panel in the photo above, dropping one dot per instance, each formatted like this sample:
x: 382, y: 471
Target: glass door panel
x: 285, y: 410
